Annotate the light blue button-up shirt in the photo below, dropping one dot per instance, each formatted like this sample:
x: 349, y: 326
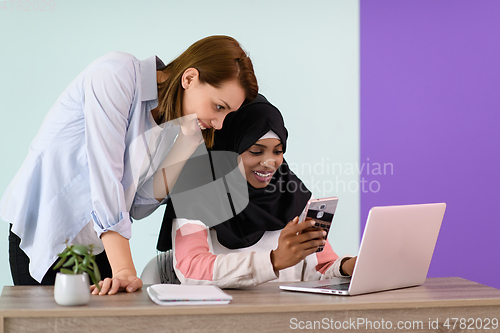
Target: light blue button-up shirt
x: 92, y: 160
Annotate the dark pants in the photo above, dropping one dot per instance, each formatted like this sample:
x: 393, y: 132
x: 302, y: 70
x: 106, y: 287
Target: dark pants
x: 19, y: 265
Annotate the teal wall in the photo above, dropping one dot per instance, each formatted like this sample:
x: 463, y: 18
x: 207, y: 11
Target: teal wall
x: 305, y: 53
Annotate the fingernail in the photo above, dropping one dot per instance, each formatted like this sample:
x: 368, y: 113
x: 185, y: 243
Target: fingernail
x: 324, y: 233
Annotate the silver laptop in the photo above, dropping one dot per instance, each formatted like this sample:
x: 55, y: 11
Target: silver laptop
x: 395, y: 252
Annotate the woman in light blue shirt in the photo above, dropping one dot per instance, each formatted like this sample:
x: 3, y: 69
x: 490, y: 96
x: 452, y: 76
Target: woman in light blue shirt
x: 111, y: 147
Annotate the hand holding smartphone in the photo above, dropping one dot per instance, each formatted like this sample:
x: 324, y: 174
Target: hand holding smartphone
x: 322, y: 211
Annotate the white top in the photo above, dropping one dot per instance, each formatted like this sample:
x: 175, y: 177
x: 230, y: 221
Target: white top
x: 199, y: 258
x: 92, y: 159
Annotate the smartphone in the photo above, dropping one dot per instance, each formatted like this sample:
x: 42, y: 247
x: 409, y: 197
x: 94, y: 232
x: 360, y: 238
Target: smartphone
x: 322, y: 211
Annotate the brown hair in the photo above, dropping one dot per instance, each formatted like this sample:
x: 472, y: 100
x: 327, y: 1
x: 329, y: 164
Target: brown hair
x: 217, y: 59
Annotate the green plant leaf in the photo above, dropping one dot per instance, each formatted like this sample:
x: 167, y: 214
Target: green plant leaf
x: 86, y: 261
x: 92, y: 277
x: 96, y: 270
x: 70, y: 262
x: 66, y: 271
x: 80, y: 249
x: 60, y: 263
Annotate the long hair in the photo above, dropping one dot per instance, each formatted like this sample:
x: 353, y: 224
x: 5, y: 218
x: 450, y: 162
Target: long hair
x: 218, y: 59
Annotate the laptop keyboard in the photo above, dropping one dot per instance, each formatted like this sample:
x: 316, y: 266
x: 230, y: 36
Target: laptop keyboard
x: 340, y: 286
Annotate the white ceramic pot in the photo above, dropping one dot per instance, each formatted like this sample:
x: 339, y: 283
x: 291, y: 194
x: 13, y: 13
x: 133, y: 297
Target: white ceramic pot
x: 72, y: 289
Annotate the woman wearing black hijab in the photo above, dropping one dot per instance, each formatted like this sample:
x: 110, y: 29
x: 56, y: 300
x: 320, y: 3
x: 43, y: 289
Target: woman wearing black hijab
x: 264, y: 241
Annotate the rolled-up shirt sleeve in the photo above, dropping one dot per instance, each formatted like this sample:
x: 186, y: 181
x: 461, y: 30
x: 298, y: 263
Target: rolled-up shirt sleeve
x: 109, y: 94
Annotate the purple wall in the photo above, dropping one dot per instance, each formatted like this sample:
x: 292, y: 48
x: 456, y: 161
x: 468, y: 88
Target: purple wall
x: 430, y: 105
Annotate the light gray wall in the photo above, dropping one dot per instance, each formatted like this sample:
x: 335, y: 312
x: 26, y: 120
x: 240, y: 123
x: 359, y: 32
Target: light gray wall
x: 305, y: 53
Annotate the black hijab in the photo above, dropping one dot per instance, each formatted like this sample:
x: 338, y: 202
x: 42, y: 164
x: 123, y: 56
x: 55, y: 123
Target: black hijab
x: 269, y: 208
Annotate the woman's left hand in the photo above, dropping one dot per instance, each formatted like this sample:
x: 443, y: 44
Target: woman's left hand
x: 348, y: 266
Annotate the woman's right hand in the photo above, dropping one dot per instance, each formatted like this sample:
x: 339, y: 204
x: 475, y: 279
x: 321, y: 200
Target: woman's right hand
x: 123, y: 281
x: 295, y: 243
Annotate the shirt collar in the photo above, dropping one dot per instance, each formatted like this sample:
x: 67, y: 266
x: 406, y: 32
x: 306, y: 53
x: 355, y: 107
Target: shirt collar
x: 148, y: 79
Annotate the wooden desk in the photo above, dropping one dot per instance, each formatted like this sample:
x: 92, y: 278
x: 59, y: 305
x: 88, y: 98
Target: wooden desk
x: 262, y: 309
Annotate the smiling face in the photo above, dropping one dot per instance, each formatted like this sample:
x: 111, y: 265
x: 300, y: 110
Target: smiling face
x: 261, y: 161
x: 210, y: 104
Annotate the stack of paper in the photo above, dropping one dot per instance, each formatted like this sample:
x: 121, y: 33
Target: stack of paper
x: 176, y: 294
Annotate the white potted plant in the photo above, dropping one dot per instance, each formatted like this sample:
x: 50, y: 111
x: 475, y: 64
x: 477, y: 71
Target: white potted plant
x: 76, y: 265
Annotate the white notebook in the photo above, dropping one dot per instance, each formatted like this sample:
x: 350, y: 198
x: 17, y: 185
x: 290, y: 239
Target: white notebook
x: 177, y: 294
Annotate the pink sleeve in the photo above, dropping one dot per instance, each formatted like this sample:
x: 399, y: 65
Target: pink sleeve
x: 192, y: 253
x: 326, y: 258
x: 196, y: 263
